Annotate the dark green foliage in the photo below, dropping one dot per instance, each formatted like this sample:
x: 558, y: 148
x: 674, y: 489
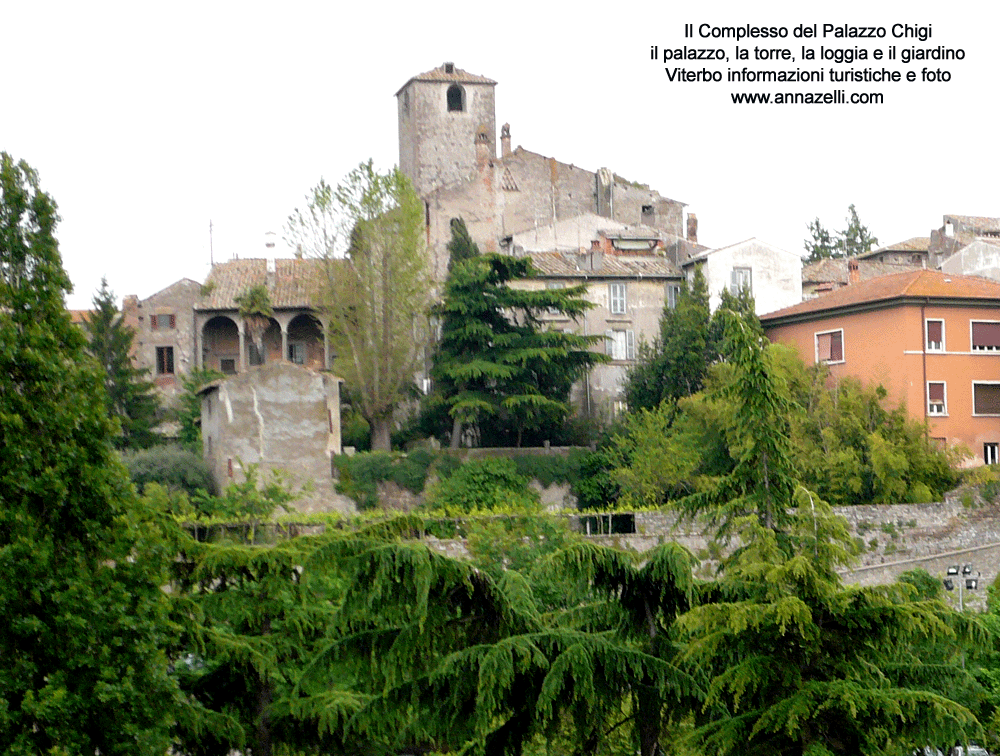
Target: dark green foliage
x: 496, y: 370
x: 132, y: 399
x: 84, y: 615
x: 674, y: 365
x: 853, y: 241
x: 926, y: 586
x: 460, y: 246
x: 173, y: 467
x: 483, y: 485
x: 548, y: 469
x: 597, y: 489
x: 189, y: 405
x: 360, y: 474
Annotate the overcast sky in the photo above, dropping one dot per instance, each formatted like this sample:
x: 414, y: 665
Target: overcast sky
x: 146, y: 121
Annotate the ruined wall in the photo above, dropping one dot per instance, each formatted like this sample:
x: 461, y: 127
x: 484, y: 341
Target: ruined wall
x: 279, y: 417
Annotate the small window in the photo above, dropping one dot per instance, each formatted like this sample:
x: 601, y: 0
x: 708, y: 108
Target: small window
x: 228, y: 365
x: 830, y: 346
x: 162, y: 322
x: 673, y: 292
x: 985, y: 336
x: 936, y: 398
x: 740, y: 279
x: 620, y: 345
x: 648, y: 215
x: 164, y: 360
x: 935, y: 335
x: 986, y: 398
x: 456, y: 99
x: 616, y: 298
x: 991, y: 452
x: 297, y: 352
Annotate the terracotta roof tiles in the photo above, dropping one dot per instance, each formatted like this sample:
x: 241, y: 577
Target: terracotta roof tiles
x: 292, y: 284
x: 442, y: 74
x: 932, y: 284
x: 570, y: 265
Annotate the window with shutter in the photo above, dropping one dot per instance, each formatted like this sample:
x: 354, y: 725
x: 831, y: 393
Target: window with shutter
x: 935, y: 335
x: 986, y: 398
x: 830, y: 346
x: 985, y: 336
x: 936, y: 404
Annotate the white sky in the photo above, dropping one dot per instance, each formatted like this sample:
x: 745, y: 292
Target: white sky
x: 148, y: 120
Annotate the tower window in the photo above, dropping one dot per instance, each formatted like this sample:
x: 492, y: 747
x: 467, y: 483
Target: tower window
x: 456, y: 99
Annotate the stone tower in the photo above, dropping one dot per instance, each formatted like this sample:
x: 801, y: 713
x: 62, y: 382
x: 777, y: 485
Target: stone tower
x: 446, y: 117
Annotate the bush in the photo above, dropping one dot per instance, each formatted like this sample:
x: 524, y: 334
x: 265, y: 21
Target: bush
x: 361, y: 473
x: 484, y: 485
x: 173, y: 467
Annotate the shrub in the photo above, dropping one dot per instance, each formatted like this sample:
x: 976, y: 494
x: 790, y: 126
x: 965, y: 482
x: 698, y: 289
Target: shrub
x: 484, y: 485
x: 173, y: 467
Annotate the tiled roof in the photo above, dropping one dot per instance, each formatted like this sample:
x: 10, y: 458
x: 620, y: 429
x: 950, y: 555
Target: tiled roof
x: 570, y: 265
x: 977, y: 222
x: 835, y: 270
x: 456, y: 75
x: 80, y: 316
x: 918, y: 284
x: 914, y: 244
x: 292, y: 284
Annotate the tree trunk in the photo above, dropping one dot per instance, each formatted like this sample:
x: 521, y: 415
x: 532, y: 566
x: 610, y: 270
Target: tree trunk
x: 381, y: 433
x: 648, y: 721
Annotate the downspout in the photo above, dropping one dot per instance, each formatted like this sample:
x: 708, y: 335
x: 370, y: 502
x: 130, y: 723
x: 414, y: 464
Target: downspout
x: 923, y: 356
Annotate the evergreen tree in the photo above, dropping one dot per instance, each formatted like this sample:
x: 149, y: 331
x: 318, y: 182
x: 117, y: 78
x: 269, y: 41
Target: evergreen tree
x: 132, y: 400
x: 495, y: 361
x: 674, y: 365
x: 80, y: 595
x: 853, y: 241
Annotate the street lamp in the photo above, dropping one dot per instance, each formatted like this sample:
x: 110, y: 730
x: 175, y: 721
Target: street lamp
x: 965, y: 582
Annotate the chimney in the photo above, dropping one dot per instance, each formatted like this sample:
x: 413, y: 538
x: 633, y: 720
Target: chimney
x: 692, y: 230
x: 505, y: 140
x: 483, y: 155
x: 853, y: 274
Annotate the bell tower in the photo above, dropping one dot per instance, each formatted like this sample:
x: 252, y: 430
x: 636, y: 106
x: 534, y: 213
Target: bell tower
x: 447, y: 117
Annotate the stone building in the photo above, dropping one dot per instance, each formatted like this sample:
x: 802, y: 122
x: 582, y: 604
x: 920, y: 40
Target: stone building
x: 164, y: 340
x: 295, y: 333
x: 278, y: 416
x: 447, y: 147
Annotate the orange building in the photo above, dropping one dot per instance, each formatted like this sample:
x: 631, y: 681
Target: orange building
x: 930, y: 338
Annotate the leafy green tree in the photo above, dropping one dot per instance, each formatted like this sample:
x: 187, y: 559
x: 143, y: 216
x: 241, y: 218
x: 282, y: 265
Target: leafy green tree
x: 189, y: 405
x: 132, y: 399
x: 674, y: 366
x: 778, y: 633
x: 84, y: 615
x: 173, y: 467
x: 484, y: 485
x: 853, y: 241
x: 495, y: 363
x: 255, y: 308
x: 369, y: 231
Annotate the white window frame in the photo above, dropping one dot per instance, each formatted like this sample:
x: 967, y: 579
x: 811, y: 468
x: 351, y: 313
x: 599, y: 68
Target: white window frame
x: 843, y: 347
x: 745, y: 281
x: 937, y: 346
x: 554, y: 285
x: 982, y: 383
x: 611, y: 344
x: 991, y: 452
x: 673, y: 293
x: 617, y: 298
x: 972, y: 345
x: 937, y: 410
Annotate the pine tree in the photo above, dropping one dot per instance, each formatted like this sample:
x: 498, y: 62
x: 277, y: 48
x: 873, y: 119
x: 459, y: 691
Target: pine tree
x: 132, y: 400
x: 80, y: 594
x: 674, y: 366
x: 853, y: 241
x: 495, y: 362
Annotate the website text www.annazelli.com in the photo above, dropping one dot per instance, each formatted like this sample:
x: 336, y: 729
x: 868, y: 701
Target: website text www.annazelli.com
x: 837, y: 97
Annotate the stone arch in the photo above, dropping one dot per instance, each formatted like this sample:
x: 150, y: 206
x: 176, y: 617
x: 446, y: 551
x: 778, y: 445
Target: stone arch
x: 221, y: 344
x: 456, y: 99
x: 305, y: 342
